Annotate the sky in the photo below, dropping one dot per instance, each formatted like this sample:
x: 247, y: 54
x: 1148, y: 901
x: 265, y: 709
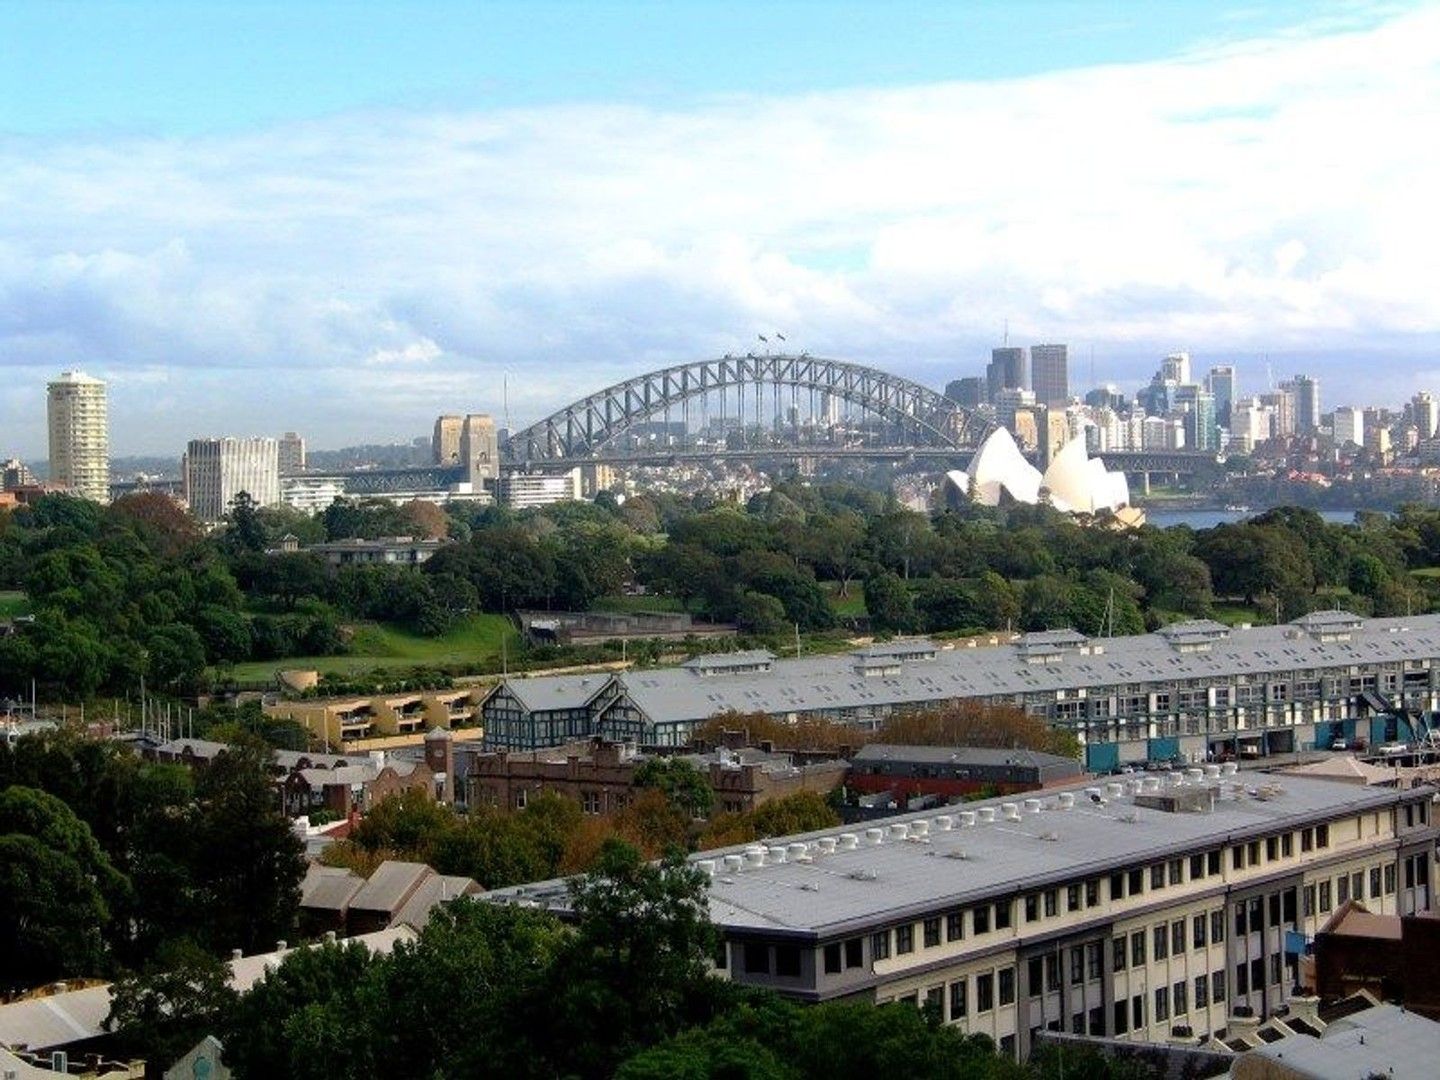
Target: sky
x: 346, y: 218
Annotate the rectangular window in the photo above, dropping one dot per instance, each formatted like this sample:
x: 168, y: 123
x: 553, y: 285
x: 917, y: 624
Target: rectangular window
x: 1307, y: 840
x: 1325, y: 904
x: 1212, y: 862
x: 1177, y: 871
x: 932, y: 932
x: 1217, y: 926
x: 1252, y: 853
x: 1389, y: 879
x: 1034, y: 977
x: 1077, y: 965
x: 935, y: 999
x: 832, y: 959
x: 1094, y: 960
x: 904, y: 939
x: 1136, y: 883
x: 854, y: 953
x: 955, y: 926
x: 787, y: 961
x: 1197, y: 867
x: 1257, y: 974
x: 1092, y: 893
x: 1275, y: 969
x: 1157, y: 876
x: 1198, y: 926
x: 1052, y: 903
x: 984, y: 992
x: 1162, y: 1004
x: 757, y: 959
x: 1272, y: 848
x: 1052, y: 971
x: 1202, y: 991
x: 1162, y: 942
x: 590, y: 802
x: 1307, y: 900
x: 1342, y: 888
x: 1374, y: 882
x: 1242, y: 979
x: 980, y: 920
x: 1118, y: 949
x: 1032, y: 908
x: 1217, y: 986
x: 1007, y: 986
x: 1077, y: 1024
x: 1137, y: 1011
x: 880, y: 945
x: 1177, y: 937
x: 1072, y: 898
x: 1007, y: 1046
x: 1097, y: 1020
x: 958, y: 998
x: 1287, y: 845
x: 1177, y: 998
x: 1237, y: 858
x: 1137, y: 948
x: 1274, y: 902
x: 1122, y: 1017
x: 1117, y: 886
x: 1002, y: 915
x: 1322, y: 835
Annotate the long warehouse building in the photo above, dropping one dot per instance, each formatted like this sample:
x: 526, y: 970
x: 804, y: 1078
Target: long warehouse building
x: 1150, y: 909
x: 1192, y: 691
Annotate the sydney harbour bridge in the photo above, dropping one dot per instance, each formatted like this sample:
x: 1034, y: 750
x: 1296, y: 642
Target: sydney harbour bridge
x: 757, y: 406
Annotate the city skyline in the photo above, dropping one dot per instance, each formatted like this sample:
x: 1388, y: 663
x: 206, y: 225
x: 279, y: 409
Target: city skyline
x: 355, y: 261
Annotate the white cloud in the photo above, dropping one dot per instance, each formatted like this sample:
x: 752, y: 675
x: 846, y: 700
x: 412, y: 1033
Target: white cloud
x: 359, y: 274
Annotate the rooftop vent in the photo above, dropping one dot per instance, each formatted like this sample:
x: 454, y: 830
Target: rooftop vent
x: 986, y: 815
x: 733, y: 863
x: 919, y: 829
x: 874, y: 836
x: 799, y: 851
x: 967, y: 818
x: 848, y: 841
x: 1011, y: 811
x: 944, y: 823
x: 1066, y: 800
x: 826, y: 845
x: 899, y: 830
x: 1032, y: 806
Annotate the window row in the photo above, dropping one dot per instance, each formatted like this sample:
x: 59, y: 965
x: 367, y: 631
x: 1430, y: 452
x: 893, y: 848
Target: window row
x: 1168, y: 939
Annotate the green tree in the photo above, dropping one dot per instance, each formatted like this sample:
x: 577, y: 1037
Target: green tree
x: 244, y: 530
x: 160, y: 1013
x: 244, y: 847
x: 891, y: 607
x: 682, y: 784
x: 59, y: 886
x: 760, y: 613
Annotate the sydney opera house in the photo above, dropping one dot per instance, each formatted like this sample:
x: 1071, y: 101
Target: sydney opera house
x: 1074, y: 483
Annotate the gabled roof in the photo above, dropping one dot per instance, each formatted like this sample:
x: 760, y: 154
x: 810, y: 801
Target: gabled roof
x: 549, y: 694
x: 390, y: 886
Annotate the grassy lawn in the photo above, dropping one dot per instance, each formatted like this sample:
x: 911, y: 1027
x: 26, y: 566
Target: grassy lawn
x: 13, y: 604
x: 631, y: 604
x: 475, y: 639
x: 1234, y: 614
x: 1423, y: 572
x: 846, y: 606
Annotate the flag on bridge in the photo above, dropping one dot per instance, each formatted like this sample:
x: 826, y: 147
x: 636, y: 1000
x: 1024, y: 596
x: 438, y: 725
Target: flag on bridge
x: 780, y: 335
x: 763, y: 338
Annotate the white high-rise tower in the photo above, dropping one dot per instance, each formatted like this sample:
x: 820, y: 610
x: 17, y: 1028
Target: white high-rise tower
x: 80, y: 435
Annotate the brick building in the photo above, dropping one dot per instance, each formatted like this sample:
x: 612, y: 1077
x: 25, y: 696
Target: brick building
x: 600, y: 775
x: 1394, y: 957
x: 955, y: 771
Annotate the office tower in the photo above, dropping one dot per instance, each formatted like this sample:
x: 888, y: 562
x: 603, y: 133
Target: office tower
x: 968, y: 392
x: 1106, y: 397
x: 1201, y: 431
x: 1253, y: 423
x: 80, y: 436
x: 1282, y: 402
x: 1175, y: 368
x: 291, y: 454
x: 1221, y: 383
x: 1349, y: 425
x: 479, y: 448
x: 1305, y: 393
x: 1426, y: 412
x: 1050, y: 375
x: 1007, y: 371
x: 217, y: 470
x: 445, y: 444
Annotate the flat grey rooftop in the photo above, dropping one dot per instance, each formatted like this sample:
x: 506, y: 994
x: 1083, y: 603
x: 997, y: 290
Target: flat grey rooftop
x: 890, y: 878
x: 1036, y: 663
x: 1381, y: 1041
x: 957, y: 755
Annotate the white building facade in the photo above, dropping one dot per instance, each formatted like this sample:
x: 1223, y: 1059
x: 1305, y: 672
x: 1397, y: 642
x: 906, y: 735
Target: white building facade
x: 217, y: 470
x: 79, y: 425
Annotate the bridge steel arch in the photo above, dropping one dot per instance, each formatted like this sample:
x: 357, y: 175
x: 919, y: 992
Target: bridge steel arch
x: 580, y: 430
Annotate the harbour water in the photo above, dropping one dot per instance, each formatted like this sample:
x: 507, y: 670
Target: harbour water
x: 1208, y: 519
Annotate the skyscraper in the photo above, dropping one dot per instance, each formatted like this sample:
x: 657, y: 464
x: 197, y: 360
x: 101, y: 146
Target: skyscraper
x: 1306, y: 392
x: 1050, y: 374
x: 1006, y: 372
x: 217, y: 470
x: 80, y: 435
x: 291, y: 451
x: 445, y: 445
x: 1176, y: 368
x: 1221, y: 383
x: 1426, y: 412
